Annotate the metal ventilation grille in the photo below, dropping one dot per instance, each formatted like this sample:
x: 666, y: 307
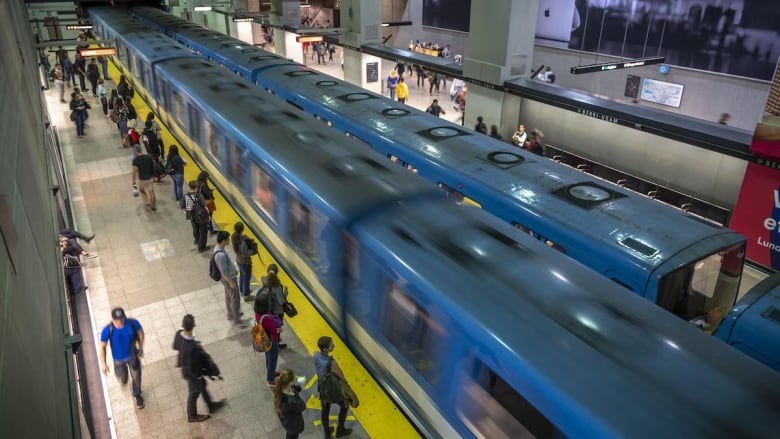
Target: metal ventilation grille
x: 502, y: 159
x: 355, y: 97
x: 587, y: 195
x: 639, y: 247
x: 772, y: 314
x: 442, y: 133
x: 395, y: 113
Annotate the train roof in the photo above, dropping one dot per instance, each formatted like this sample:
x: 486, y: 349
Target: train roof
x: 338, y: 174
x: 645, y: 230
x: 573, y: 342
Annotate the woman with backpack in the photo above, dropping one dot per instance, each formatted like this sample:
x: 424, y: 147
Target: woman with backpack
x: 276, y: 295
x: 273, y: 328
x: 175, y: 168
x: 208, y: 195
x: 120, y: 115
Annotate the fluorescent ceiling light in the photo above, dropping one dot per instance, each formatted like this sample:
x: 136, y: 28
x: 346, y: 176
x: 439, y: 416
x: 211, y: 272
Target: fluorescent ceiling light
x: 202, y: 8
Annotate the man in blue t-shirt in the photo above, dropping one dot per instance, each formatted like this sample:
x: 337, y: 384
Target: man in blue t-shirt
x: 127, y: 340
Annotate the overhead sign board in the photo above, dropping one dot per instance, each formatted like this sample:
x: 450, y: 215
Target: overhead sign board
x: 308, y: 38
x: 591, y: 68
x: 98, y: 51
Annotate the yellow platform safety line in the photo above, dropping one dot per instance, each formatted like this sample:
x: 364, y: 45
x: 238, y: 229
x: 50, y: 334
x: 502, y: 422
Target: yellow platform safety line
x: 377, y: 413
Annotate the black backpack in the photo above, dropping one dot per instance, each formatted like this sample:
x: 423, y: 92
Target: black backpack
x: 198, y: 213
x: 262, y: 300
x: 251, y: 246
x: 214, y: 272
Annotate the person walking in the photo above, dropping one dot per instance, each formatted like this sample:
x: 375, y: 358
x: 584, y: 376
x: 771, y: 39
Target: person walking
x: 494, y: 133
x: 326, y: 365
x: 481, y: 127
x: 435, y: 109
x: 143, y: 173
x: 78, y: 107
x: 288, y: 404
x: 229, y: 279
x: 392, y: 83
x: 195, y: 365
x: 93, y: 74
x: 126, y: 337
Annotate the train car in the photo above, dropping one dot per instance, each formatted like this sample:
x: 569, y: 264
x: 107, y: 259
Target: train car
x: 475, y: 328
x: 756, y: 317
x: 663, y: 254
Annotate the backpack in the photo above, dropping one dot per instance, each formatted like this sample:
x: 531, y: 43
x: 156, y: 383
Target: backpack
x: 214, y: 272
x: 136, y: 340
x: 251, y: 246
x: 198, y: 213
x: 261, y: 341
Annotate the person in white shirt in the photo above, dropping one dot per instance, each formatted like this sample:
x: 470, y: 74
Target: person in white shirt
x: 520, y: 136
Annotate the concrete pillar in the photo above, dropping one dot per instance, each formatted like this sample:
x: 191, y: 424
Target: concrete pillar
x: 500, y: 48
x: 357, y: 68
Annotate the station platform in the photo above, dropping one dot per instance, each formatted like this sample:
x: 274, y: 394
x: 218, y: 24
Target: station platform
x: 147, y: 264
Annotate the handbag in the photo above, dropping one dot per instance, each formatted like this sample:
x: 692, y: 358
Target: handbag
x: 211, y: 206
x: 289, y: 309
x: 70, y: 261
x: 73, y: 116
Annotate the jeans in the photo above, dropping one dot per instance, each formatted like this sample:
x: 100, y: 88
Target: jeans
x: 178, y: 185
x: 79, y: 123
x: 134, y: 365
x: 232, y: 302
x: 325, y: 417
x: 104, y: 64
x: 199, y: 234
x: 196, y: 387
x: 245, y: 275
x: 271, y: 358
x: 392, y: 92
x: 122, y: 126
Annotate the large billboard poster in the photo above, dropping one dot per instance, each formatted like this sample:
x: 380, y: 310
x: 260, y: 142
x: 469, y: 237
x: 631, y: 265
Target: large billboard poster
x: 447, y: 14
x: 739, y: 37
x: 757, y: 213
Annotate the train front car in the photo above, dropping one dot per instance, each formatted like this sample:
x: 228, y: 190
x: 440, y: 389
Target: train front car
x: 485, y: 332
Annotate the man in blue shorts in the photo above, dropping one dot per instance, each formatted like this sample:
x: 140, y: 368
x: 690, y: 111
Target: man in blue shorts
x: 127, y: 340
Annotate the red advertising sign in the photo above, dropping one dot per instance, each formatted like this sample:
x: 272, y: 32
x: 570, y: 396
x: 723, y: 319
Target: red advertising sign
x: 766, y: 138
x: 757, y: 213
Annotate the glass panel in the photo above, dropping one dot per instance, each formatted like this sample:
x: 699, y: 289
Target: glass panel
x: 412, y: 330
x: 236, y: 158
x: 704, y: 291
x: 264, y: 194
x: 178, y: 109
x: 305, y: 228
x: 492, y: 409
x: 458, y: 197
x: 212, y: 141
x: 195, y: 132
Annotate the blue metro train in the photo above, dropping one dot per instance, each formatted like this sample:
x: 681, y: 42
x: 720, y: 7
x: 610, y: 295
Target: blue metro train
x: 475, y: 328
x: 669, y: 257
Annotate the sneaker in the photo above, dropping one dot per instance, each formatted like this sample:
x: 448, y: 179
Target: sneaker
x: 89, y: 238
x: 216, y: 405
x: 282, y: 345
x: 197, y: 418
x: 240, y: 325
x: 139, y: 402
x: 249, y: 298
x: 329, y: 432
x: 343, y: 432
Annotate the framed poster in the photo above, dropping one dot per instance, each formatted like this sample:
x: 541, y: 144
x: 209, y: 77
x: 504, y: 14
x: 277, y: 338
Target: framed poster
x: 632, y: 86
x: 372, y: 72
x: 660, y: 92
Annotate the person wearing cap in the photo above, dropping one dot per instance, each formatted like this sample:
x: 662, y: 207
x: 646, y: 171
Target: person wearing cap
x: 126, y: 337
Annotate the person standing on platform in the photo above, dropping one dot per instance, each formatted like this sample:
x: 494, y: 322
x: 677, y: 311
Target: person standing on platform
x: 494, y: 133
x: 288, y: 404
x: 229, y: 279
x: 331, y: 51
x: 418, y: 69
x: 392, y: 83
x: 143, y: 173
x: 520, y: 136
x: 480, y: 127
x: 59, y: 78
x: 273, y: 328
x: 78, y: 107
x: 195, y: 365
x: 93, y: 74
x: 402, y: 91
x: 80, y: 66
x: 120, y: 115
x: 126, y: 337
x: 326, y: 365
x: 102, y: 94
x: 188, y: 202
x: 433, y: 77
x: 104, y: 65
x: 71, y: 264
x: 534, y: 144
x: 208, y: 195
x: 240, y: 245
x: 176, y: 166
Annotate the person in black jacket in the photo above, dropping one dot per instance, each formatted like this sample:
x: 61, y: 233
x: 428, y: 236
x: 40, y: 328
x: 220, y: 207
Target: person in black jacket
x: 195, y: 364
x: 288, y: 404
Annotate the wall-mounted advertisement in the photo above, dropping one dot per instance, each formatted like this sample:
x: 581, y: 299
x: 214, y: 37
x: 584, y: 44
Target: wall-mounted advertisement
x: 447, y: 14
x: 660, y: 92
x: 738, y: 37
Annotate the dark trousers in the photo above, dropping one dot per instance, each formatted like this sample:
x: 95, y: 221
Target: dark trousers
x: 271, y: 359
x: 196, y: 387
x: 199, y: 234
x: 82, y: 83
x: 133, y: 365
x: 75, y: 280
x: 325, y: 417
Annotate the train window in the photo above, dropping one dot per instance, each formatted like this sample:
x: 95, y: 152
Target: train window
x: 457, y: 196
x: 523, y: 228
x: 211, y: 136
x: 195, y: 132
x: 489, y: 407
x: 162, y: 93
x: 236, y: 158
x: 413, y: 331
x: 352, y: 136
x: 304, y: 228
x: 178, y: 108
x: 263, y: 191
x: 131, y: 61
x: 703, y: 289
